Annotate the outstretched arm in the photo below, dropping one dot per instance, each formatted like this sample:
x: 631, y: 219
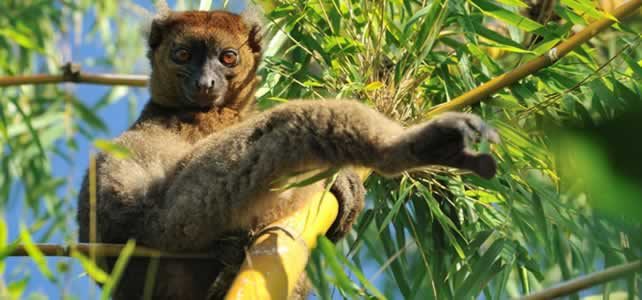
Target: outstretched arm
x: 229, y: 170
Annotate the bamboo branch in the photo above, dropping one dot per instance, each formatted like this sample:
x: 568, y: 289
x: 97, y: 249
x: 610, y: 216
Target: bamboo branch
x: 483, y: 91
x: 72, y: 73
x: 587, y: 281
x: 105, y: 250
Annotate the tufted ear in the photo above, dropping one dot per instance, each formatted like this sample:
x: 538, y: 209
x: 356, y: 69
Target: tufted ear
x: 252, y: 16
x: 158, y: 26
x: 156, y: 32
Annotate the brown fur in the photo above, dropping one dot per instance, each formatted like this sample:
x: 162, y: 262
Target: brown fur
x: 201, y: 171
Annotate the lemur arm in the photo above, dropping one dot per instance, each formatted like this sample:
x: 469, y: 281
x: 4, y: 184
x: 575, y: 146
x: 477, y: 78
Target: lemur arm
x: 228, y: 170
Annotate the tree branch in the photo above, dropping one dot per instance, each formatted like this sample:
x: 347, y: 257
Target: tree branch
x: 105, y: 250
x: 587, y: 281
x: 71, y: 73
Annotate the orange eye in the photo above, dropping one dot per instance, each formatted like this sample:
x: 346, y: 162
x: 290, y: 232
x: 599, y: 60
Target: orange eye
x: 229, y: 58
x: 182, y: 55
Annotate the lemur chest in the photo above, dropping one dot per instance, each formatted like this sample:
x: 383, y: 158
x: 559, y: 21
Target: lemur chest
x: 194, y: 126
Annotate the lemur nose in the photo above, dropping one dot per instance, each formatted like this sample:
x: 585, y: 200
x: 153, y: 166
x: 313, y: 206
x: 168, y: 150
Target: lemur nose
x: 204, y: 85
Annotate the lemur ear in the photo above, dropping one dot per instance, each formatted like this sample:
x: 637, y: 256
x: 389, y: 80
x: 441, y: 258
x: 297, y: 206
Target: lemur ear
x: 155, y: 35
x: 158, y: 25
x: 253, y: 18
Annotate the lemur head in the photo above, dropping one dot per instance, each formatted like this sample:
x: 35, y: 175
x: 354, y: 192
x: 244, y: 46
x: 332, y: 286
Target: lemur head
x: 202, y: 59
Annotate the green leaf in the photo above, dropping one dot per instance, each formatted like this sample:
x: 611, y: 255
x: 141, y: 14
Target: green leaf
x: 118, y: 269
x: 482, y: 270
x: 486, y: 197
x: 362, y: 279
x: 585, y: 7
x: 307, y: 181
x: 24, y: 40
x: 636, y: 67
x: 93, y: 270
x: 330, y: 254
x: 543, y: 47
x: 373, y: 86
x: 17, y: 288
x: 88, y: 115
x: 497, y: 12
x: 34, y: 252
x: 117, y: 150
x: 4, y: 238
x: 515, y: 3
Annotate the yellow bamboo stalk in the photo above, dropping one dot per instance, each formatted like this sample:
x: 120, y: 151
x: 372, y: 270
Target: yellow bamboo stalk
x: 277, y: 259
x: 483, y: 91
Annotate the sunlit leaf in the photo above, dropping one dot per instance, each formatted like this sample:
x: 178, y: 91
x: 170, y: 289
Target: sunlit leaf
x: 507, y: 16
x: 119, y: 267
x: 21, y: 39
x: 112, y: 148
x: 92, y: 269
x: 34, y: 252
x: 373, y: 86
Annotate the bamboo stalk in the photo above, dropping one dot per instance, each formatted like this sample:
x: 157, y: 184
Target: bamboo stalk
x: 105, y: 250
x: 275, y: 261
x: 277, y: 258
x: 483, y: 91
x: 72, y: 73
x: 586, y: 282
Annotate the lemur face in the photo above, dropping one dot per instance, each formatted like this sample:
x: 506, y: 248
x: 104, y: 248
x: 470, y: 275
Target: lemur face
x: 200, y: 57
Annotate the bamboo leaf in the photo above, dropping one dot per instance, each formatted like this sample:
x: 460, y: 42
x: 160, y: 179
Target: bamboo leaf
x: 117, y: 150
x: 34, y: 252
x: 118, y: 269
x: 507, y: 16
x: 92, y: 269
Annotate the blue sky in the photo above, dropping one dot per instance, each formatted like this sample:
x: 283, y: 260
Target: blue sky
x: 117, y: 119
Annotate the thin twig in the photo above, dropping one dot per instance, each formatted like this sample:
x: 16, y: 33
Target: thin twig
x: 587, y: 281
x: 106, y: 250
x: 483, y: 91
x: 71, y: 73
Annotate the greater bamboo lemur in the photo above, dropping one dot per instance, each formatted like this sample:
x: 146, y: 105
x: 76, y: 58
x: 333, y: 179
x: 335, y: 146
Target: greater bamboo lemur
x: 202, y: 159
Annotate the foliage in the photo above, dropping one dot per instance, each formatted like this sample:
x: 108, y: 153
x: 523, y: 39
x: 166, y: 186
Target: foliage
x: 562, y: 205
x: 442, y: 234
x: 44, y: 127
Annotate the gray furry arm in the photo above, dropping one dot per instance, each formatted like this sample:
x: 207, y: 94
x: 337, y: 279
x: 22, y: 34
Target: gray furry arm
x: 227, y: 171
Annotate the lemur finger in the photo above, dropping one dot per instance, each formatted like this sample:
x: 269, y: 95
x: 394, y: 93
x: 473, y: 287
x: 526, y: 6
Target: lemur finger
x: 482, y: 164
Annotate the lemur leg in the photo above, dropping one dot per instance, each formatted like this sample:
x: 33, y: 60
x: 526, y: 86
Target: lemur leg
x: 228, y: 170
x: 350, y: 193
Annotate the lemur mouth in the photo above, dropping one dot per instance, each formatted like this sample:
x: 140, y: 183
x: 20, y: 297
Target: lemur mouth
x: 204, y: 99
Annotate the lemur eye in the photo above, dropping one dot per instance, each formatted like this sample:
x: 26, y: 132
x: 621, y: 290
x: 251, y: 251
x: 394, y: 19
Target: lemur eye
x: 182, y: 56
x: 229, y: 58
